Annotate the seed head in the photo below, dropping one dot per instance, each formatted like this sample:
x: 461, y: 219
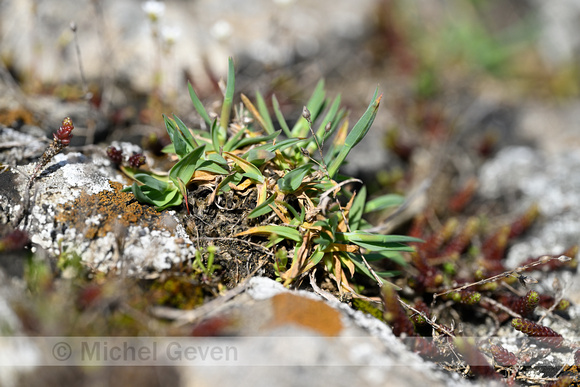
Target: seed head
x: 543, y: 334
x: 115, y: 154
x: 526, y: 304
x: 306, y: 113
x: 63, y: 134
x: 502, y: 356
x: 137, y: 160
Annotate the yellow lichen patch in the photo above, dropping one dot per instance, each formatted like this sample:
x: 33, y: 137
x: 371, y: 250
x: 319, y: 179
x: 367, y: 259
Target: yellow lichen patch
x: 107, y: 211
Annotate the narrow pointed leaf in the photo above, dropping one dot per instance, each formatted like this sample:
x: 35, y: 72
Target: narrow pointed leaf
x: 250, y: 169
x: 255, y: 140
x: 151, y: 182
x: 357, y: 133
x: 282, y: 145
x: 293, y: 179
x: 356, y: 211
x: 198, y: 105
x: 263, y: 208
x: 263, y: 109
x: 227, y: 104
x: 280, y: 117
x: 337, y: 143
x: 383, y: 202
x: 170, y: 126
x: 210, y: 166
x: 314, y: 105
x: 168, y: 148
x: 280, y: 231
x: 185, y: 167
x: 217, y: 159
x: 185, y: 132
x: 358, y: 262
x: 329, y: 117
x: 215, y: 136
x: 234, y: 142
x: 377, y: 242
x: 181, y: 146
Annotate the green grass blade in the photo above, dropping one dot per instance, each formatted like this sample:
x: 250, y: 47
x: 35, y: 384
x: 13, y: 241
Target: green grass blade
x: 335, y: 124
x: 185, y: 167
x: 198, y: 105
x: 280, y: 117
x: 139, y: 195
x: 217, y: 158
x: 181, y: 146
x: 228, y: 100
x: 374, y: 238
x: 185, y: 132
x: 293, y: 179
x: 281, y: 145
x: 215, y: 134
x: 383, y: 202
x: 314, y: 105
x: 151, y: 182
x: 255, y: 140
x: 212, y: 167
x: 263, y: 208
x: 280, y: 231
x: 359, y: 264
x: 173, y: 199
x: 376, y: 242
x: 356, y: 211
x: 357, y: 133
x: 263, y: 109
x: 170, y: 126
x: 234, y: 142
x: 329, y: 117
x: 394, y: 256
x: 250, y: 169
x: 168, y: 148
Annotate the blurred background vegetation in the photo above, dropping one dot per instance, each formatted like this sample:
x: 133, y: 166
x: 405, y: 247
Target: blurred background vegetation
x: 445, y: 67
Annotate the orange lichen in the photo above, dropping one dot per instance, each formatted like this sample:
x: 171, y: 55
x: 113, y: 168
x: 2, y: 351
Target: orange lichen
x: 115, y: 210
x: 316, y: 315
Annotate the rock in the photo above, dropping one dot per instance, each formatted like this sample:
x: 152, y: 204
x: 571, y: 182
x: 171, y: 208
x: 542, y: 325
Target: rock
x: 297, y: 338
x: 77, y: 206
x: 525, y: 176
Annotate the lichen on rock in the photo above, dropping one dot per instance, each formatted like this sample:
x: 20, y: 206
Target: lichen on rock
x: 77, y: 205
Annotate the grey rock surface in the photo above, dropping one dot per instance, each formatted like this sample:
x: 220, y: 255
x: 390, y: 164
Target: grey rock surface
x: 365, y: 352
x: 523, y: 176
x: 135, y: 246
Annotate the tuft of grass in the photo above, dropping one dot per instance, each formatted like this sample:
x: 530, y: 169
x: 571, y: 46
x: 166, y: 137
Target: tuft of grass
x: 303, y: 206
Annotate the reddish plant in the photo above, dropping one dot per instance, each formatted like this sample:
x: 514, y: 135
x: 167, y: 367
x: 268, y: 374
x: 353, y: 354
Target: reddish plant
x: 472, y: 356
x: 136, y: 160
x: 458, y: 202
x: 395, y: 315
x: 543, y: 334
x: 502, y: 356
x: 63, y: 134
x: 526, y: 305
x: 61, y: 139
x: 15, y: 240
x: 115, y: 154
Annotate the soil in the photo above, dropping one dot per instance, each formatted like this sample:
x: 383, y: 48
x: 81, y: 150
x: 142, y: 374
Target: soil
x: 217, y: 224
